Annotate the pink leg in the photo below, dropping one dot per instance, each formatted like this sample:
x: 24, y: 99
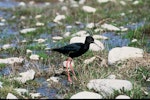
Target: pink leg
x: 69, y: 79
x: 73, y: 70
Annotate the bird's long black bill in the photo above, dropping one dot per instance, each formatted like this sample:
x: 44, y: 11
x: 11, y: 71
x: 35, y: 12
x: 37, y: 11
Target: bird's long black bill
x: 97, y: 45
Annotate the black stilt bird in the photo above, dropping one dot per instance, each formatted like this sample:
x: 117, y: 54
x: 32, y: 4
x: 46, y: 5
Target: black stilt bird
x: 74, y: 50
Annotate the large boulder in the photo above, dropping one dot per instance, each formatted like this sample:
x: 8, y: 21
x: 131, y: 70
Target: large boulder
x: 106, y: 87
x: 86, y: 95
x: 123, y: 53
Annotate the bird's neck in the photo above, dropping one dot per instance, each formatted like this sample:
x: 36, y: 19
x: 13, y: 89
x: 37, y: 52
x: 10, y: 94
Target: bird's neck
x: 86, y: 45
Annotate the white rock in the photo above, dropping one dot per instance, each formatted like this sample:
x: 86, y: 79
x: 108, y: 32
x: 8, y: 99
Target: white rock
x: 25, y: 76
x: 107, y: 86
x: 39, y: 24
x: 123, y: 28
x: 96, y: 47
x: 28, y: 51
x: 34, y: 57
x: 93, y: 46
x: 3, y: 20
x: 89, y: 9
x: 98, y: 30
x: 47, y: 3
x: 122, y: 14
x: 54, y: 79
x: 22, y: 4
x: 102, y: 1
x: 81, y: 33
x: 110, y: 27
x: 11, y: 96
x: 40, y: 40
x: 12, y: 60
x: 100, y: 37
x: 67, y: 34
x: 24, y: 41
x: 2, y: 24
x: 82, y: 2
x: 35, y: 95
x: 123, y: 53
x: 87, y: 61
x: 59, y: 18
x: 57, y: 38
x: 64, y: 8
x: 148, y: 80
x: 122, y: 97
x: 111, y: 77
x: 6, y: 46
x: 65, y: 64
x: 27, y: 30
x: 86, y: 95
x: 23, y: 17
x: 134, y: 40
x: 136, y: 2
x: 1, y: 84
x: 90, y: 25
x: 123, y: 3
x: 38, y: 16
x: 21, y: 91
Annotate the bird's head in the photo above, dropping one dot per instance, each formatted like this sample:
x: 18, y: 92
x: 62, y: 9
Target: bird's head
x: 89, y: 39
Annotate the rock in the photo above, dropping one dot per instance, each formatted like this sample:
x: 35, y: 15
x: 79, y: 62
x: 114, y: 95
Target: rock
x: 57, y: 38
x: 87, y: 61
x: 22, y: 4
x: 106, y: 87
x: 21, y: 91
x: 100, y: 37
x: 39, y: 24
x: 38, y: 16
x: 6, y: 46
x: 103, y: 1
x: 25, y: 76
x: 136, y: 2
x: 54, y: 79
x: 11, y: 96
x: 34, y: 57
x: 88, y: 9
x: 86, y: 95
x: 110, y: 27
x: 93, y: 46
x: 111, y: 77
x: 65, y: 63
x: 35, y: 95
x: 90, y: 25
x: 58, y: 18
x: 123, y: 53
x: 1, y: 84
x: 67, y: 34
x: 134, y: 40
x: 28, y: 51
x: 24, y: 31
x: 12, y: 60
x: 2, y: 24
x: 122, y: 97
x: 40, y: 40
x: 81, y: 33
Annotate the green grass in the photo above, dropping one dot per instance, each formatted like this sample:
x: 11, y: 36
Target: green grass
x: 137, y: 74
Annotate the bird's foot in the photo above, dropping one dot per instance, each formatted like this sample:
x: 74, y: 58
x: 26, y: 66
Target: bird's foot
x: 75, y: 77
x: 69, y: 79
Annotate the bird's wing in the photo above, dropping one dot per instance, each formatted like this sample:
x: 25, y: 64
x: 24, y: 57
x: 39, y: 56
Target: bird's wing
x: 72, y: 47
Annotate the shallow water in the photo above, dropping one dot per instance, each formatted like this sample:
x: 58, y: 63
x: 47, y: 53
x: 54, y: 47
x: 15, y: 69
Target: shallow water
x: 50, y: 92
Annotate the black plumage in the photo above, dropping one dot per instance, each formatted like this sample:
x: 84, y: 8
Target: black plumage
x: 74, y: 50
